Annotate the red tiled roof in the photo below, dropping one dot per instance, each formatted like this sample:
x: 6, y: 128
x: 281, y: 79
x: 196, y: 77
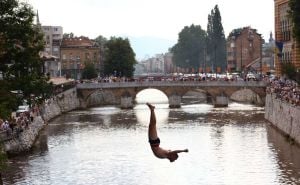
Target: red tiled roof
x: 76, y: 42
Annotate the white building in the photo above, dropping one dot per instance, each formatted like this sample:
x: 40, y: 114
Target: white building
x: 160, y: 64
x: 53, y: 36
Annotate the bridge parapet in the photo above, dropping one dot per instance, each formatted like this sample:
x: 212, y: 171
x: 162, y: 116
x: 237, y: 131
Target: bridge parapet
x: 124, y: 93
x: 173, y: 84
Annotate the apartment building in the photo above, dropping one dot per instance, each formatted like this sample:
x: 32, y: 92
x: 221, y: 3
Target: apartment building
x: 244, y: 48
x: 53, y: 36
x: 288, y: 51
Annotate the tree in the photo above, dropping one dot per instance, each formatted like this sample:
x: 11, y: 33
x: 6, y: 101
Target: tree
x: 216, y: 40
x: 68, y: 35
x: 119, y: 57
x: 295, y: 16
x: 8, y: 101
x: 21, y: 42
x: 189, y: 50
x: 101, y: 42
x: 89, y: 71
x: 290, y: 71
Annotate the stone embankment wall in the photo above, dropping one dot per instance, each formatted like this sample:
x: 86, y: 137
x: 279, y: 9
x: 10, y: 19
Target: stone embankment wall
x: 63, y: 102
x: 247, y: 96
x: 284, y: 116
x: 54, y: 107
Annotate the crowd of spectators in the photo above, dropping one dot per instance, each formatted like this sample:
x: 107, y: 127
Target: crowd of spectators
x: 285, y: 90
x: 173, y: 78
x: 17, y: 124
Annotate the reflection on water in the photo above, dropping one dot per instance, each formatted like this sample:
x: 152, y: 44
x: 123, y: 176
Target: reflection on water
x: 107, y: 145
x: 288, y: 162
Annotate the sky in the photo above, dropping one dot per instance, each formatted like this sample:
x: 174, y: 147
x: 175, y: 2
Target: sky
x: 152, y: 26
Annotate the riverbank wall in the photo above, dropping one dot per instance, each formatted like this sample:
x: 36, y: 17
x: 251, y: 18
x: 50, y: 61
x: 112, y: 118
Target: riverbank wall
x: 23, y: 141
x: 284, y: 116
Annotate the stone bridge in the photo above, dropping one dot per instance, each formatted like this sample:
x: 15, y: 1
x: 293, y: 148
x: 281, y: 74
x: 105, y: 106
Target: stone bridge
x: 124, y: 93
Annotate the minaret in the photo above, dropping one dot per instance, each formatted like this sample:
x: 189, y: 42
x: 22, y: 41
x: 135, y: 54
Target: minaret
x: 271, y: 40
x: 38, y: 19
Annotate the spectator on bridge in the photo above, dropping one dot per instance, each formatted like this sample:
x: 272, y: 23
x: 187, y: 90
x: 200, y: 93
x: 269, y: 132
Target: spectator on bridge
x: 7, y: 128
x: 155, y: 141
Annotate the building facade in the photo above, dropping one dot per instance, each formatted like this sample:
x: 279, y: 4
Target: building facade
x: 75, y: 53
x: 288, y: 51
x: 168, y: 62
x: 53, y: 36
x: 244, y: 47
x: 51, y: 55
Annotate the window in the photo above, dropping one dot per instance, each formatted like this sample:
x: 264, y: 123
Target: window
x: 64, y: 65
x: 71, y: 56
x: 87, y: 55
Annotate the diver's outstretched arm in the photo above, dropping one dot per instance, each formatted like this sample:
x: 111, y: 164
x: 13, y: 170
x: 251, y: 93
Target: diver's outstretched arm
x: 179, y: 151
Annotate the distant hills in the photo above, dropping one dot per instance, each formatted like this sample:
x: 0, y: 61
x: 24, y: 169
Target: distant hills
x: 146, y: 47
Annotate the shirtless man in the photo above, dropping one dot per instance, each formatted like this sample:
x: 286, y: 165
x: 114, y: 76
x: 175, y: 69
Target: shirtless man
x: 154, y: 140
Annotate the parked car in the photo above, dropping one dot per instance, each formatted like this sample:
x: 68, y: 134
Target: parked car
x: 21, y: 109
x: 251, y: 76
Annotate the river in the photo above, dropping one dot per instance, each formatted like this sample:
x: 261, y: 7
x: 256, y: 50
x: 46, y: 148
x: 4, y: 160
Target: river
x: 108, y: 146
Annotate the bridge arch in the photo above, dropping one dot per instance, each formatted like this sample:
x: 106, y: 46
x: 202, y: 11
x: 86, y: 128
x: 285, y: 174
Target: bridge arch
x: 140, y: 95
x: 197, y: 95
x: 246, y: 95
x: 101, y: 97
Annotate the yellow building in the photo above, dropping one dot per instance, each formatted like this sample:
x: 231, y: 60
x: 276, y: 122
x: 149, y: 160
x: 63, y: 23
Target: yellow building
x: 288, y: 51
x: 75, y: 53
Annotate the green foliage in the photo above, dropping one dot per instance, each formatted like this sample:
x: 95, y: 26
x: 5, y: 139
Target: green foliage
x: 290, y: 71
x: 199, y: 48
x: 101, y: 42
x: 8, y: 101
x: 216, y: 40
x: 189, y: 50
x: 295, y: 16
x: 119, y: 57
x: 21, y: 42
x: 89, y: 71
x: 68, y: 35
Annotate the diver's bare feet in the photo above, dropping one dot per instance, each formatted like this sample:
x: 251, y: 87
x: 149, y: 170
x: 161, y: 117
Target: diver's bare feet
x: 151, y: 107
